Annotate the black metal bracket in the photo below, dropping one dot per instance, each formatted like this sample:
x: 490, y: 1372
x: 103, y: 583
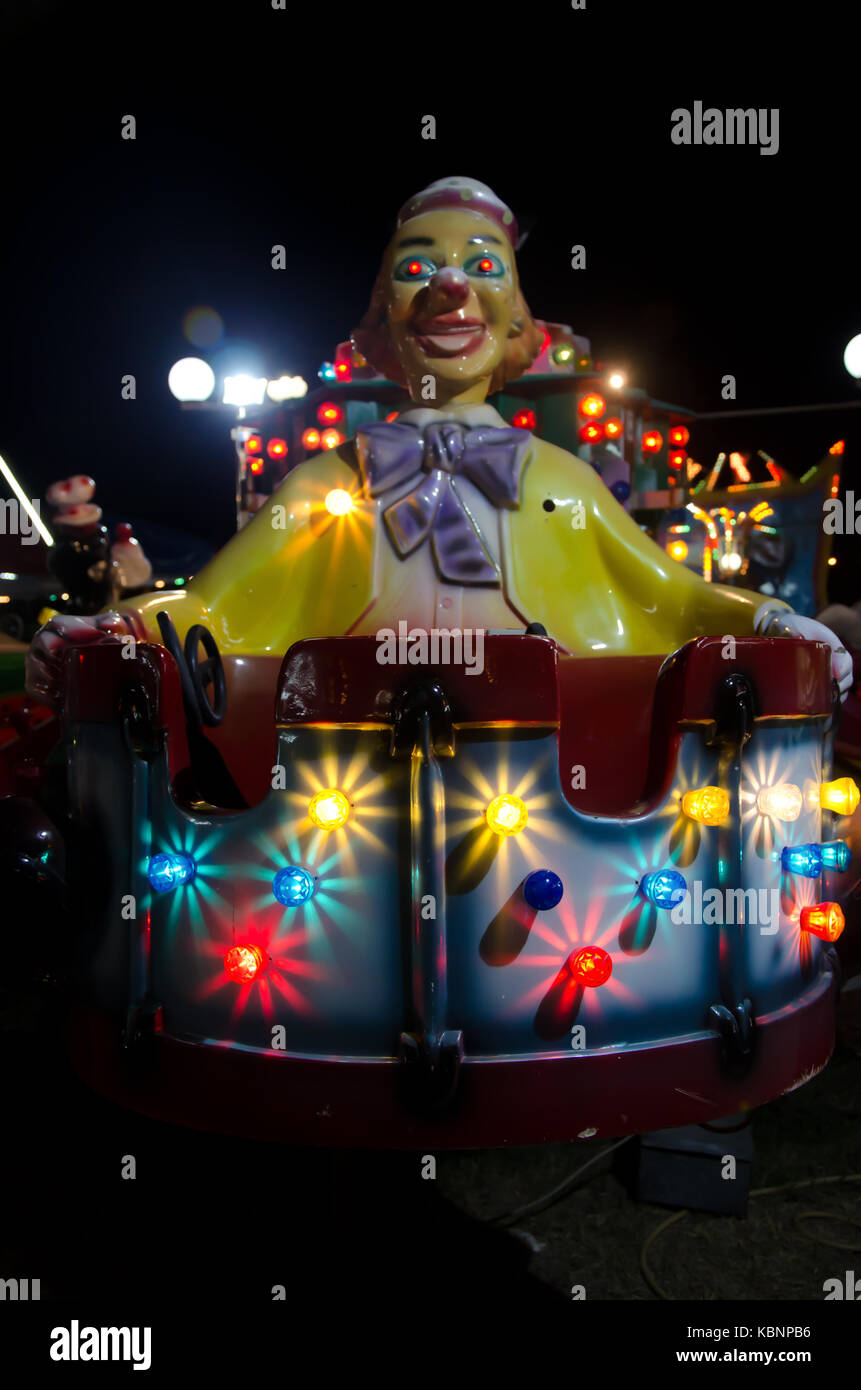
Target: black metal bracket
x: 735, y: 711
x: 430, y: 1068
x: 144, y: 1022
x: 836, y: 709
x: 834, y: 964
x: 137, y: 722
x: 736, y: 1028
x: 417, y: 707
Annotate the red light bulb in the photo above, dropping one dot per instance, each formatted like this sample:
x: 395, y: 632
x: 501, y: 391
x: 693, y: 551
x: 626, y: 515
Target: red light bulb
x: 590, y: 966
x: 329, y: 414
x: 276, y: 448
x: 680, y: 436
x: 253, y: 444
x: 591, y: 433
x: 592, y: 406
x: 652, y: 442
x: 244, y: 963
x: 825, y: 921
x: 524, y: 420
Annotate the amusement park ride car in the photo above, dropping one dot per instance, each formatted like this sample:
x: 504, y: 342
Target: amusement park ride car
x: 327, y: 899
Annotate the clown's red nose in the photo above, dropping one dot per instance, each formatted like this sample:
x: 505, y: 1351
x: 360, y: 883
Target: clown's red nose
x: 450, y: 285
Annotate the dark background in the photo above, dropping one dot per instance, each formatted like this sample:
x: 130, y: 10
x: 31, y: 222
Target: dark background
x: 257, y: 127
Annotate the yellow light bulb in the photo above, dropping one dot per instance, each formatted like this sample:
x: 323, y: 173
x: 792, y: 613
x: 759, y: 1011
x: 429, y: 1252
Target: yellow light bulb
x: 783, y: 802
x: 328, y: 809
x: 506, y: 815
x: 840, y: 796
x: 339, y: 502
x: 677, y: 550
x: 708, y: 805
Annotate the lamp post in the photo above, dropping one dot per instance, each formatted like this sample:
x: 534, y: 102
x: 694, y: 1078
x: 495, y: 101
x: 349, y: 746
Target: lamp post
x: 192, y: 382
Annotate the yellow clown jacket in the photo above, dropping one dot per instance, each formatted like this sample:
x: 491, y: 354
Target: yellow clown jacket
x: 567, y: 555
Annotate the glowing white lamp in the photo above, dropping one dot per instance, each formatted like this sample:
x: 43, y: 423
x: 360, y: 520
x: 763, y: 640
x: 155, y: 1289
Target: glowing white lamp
x: 191, y: 379
x: 244, y: 390
x: 852, y: 357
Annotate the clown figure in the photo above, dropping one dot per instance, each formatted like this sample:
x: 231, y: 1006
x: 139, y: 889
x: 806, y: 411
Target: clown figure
x: 446, y: 517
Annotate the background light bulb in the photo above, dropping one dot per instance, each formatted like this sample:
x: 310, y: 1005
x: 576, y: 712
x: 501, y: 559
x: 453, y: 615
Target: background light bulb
x: 543, y: 889
x: 329, y: 809
x: 191, y: 379
x: 841, y: 796
x: 590, y: 966
x: 506, y: 815
x: 802, y: 859
x: 168, y: 871
x: 825, y: 921
x: 836, y: 854
x: 708, y: 805
x: 293, y: 885
x: 244, y: 963
x: 339, y: 502
x: 783, y: 802
x: 664, y: 888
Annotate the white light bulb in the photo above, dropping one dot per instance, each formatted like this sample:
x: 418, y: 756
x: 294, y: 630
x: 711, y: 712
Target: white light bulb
x: 852, y: 357
x: 191, y: 379
x: 244, y: 390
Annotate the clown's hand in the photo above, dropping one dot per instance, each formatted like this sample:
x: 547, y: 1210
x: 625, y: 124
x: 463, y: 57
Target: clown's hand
x: 770, y: 620
x: 44, y: 664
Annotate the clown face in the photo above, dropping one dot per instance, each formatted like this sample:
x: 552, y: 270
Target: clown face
x: 451, y: 288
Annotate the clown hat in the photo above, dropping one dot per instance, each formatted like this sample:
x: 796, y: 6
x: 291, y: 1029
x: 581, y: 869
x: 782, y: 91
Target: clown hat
x: 458, y: 192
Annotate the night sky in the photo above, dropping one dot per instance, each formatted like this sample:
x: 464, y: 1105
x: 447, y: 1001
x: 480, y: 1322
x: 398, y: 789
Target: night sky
x: 256, y: 127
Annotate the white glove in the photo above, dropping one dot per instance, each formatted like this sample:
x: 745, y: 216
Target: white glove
x: 44, y: 664
x: 772, y: 620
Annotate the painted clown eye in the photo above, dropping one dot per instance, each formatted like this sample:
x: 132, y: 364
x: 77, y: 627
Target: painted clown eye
x: 485, y: 266
x: 415, y: 268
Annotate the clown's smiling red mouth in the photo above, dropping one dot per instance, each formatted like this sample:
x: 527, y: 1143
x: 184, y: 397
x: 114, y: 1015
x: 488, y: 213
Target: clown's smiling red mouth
x: 447, y: 335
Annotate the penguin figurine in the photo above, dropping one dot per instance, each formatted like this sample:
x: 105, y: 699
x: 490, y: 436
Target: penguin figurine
x: 79, y: 558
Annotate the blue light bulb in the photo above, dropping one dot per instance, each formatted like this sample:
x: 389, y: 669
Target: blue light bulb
x: 662, y: 887
x: 542, y: 889
x: 168, y: 871
x: 802, y: 859
x: 327, y: 372
x: 836, y: 854
x: 293, y: 886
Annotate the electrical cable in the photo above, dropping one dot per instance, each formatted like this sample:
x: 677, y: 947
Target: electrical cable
x: 823, y: 1240
x: 648, y: 1273
x: 561, y: 1190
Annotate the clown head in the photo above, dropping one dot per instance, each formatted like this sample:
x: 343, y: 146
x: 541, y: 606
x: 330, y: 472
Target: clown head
x: 447, y: 303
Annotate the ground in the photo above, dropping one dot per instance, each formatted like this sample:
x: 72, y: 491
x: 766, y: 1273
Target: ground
x: 206, y: 1213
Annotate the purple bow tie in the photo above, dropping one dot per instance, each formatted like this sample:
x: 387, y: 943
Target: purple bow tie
x: 427, y: 461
